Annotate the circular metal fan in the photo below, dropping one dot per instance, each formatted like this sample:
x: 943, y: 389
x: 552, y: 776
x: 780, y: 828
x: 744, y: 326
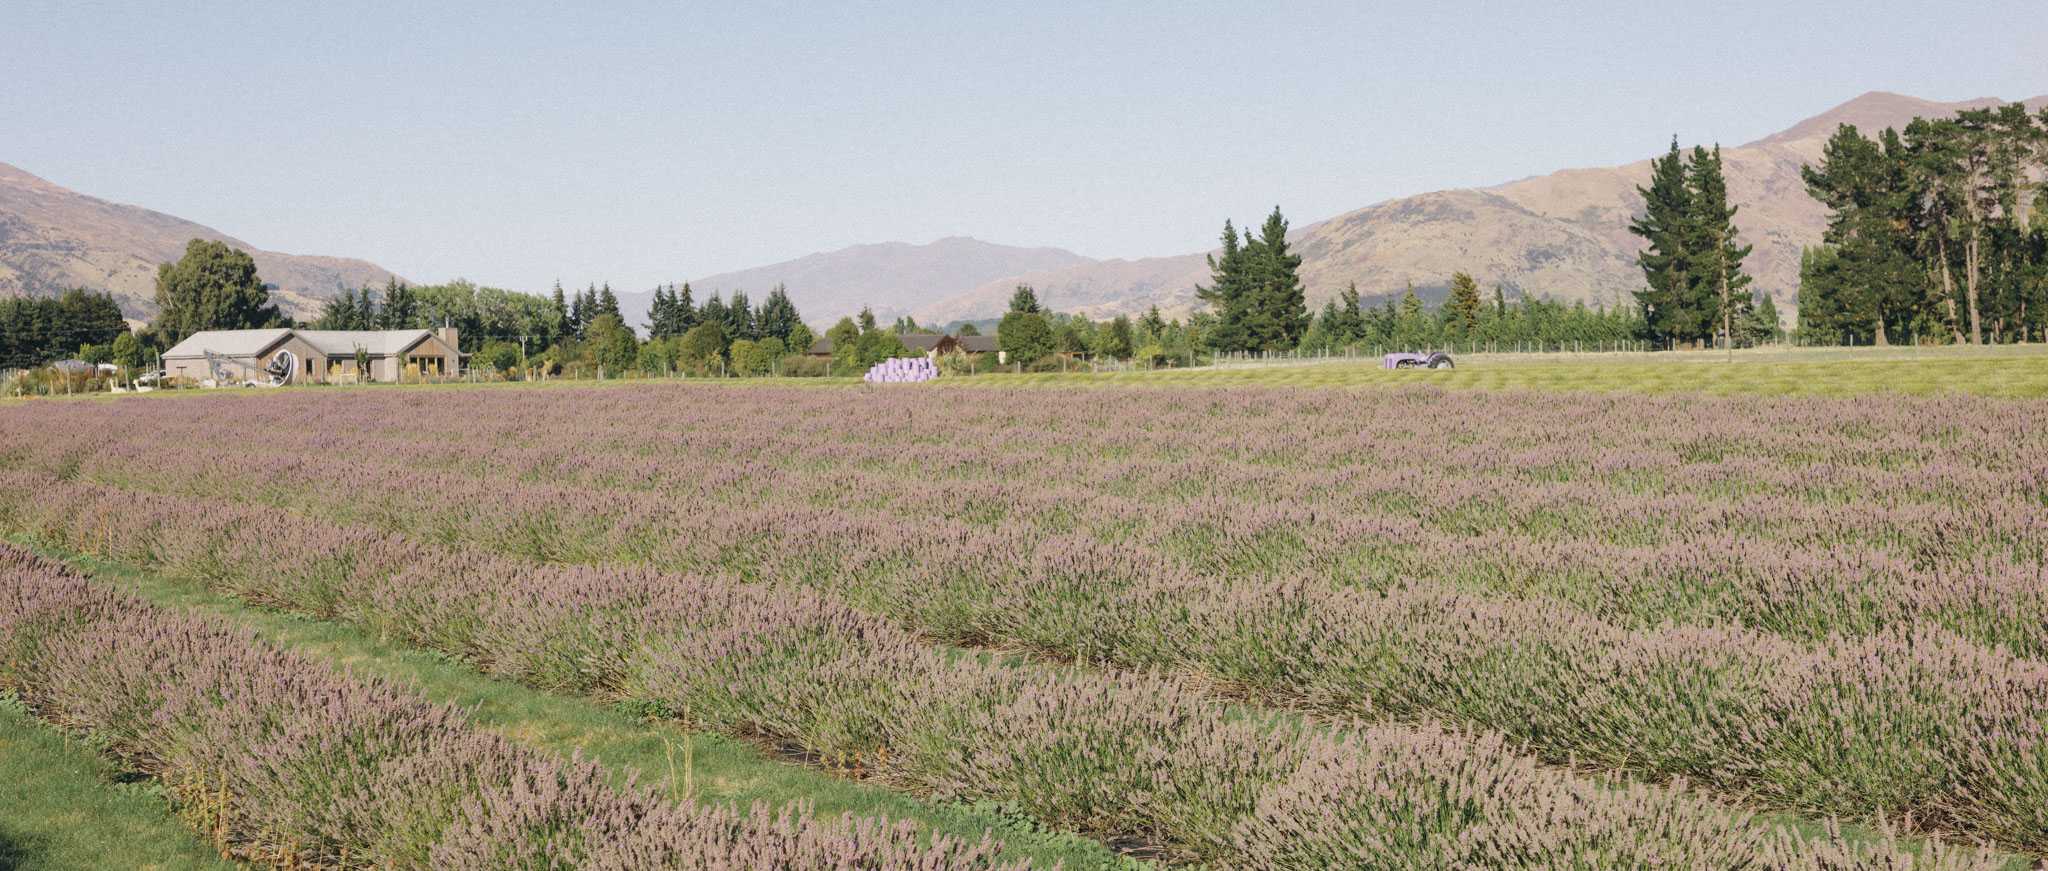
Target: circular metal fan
x: 282, y: 367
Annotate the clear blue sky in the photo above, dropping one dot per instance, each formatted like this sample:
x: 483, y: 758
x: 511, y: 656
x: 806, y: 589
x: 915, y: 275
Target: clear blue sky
x: 515, y: 143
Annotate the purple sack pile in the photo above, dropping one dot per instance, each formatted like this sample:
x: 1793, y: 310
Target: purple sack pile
x: 902, y: 370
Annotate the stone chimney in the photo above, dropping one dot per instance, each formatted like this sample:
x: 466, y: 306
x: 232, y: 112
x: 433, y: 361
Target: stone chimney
x: 447, y: 334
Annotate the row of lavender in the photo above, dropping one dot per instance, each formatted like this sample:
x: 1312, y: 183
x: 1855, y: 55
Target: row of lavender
x: 1805, y: 518
x: 1133, y: 756
x: 287, y: 762
x: 1939, y: 729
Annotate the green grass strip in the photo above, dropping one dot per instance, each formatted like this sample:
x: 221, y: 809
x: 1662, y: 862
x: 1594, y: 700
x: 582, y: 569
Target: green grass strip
x: 64, y: 806
x: 705, y: 767
x: 2009, y: 372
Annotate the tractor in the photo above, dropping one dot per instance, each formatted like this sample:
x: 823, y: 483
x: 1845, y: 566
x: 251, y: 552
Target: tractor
x: 1435, y: 360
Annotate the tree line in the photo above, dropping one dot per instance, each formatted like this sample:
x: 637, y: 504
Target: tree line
x: 78, y: 322
x: 1695, y: 289
x: 1936, y: 232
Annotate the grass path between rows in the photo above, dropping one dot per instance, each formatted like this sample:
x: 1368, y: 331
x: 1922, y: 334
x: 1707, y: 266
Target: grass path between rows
x: 66, y: 807
x: 719, y: 768
x: 706, y: 767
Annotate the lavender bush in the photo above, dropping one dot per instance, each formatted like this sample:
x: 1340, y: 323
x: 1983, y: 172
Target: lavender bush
x: 1135, y: 756
x: 286, y: 762
x: 1721, y: 594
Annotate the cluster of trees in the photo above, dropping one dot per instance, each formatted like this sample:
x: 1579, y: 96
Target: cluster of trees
x: 860, y: 343
x: 1255, y: 291
x: 721, y: 336
x: 1695, y: 288
x: 1937, y: 232
x: 674, y: 314
x: 579, y: 316
x: 1029, y: 333
x: 1467, y: 319
x: 34, y: 331
x: 481, y: 315
x: 1150, y: 339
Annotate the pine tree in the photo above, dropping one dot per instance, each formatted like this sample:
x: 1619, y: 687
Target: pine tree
x: 1720, y: 288
x: 778, y: 317
x: 1666, y: 263
x: 1764, y: 325
x: 1024, y: 299
x: 608, y: 303
x: 713, y: 312
x: 1350, y: 326
x: 1463, y: 304
x: 1255, y: 291
x: 579, y: 315
x: 1280, y: 307
x: 560, y: 328
x: 401, y: 307
x: 660, y: 313
x: 1228, y: 292
x: 1865, y: 186
x: 366, y: 310
x: 1411, y: 330
x: 685, y: 310
x: 739, y: 318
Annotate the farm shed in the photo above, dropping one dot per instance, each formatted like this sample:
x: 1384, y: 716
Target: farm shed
x: 928, y: 344
x: 246, y: 353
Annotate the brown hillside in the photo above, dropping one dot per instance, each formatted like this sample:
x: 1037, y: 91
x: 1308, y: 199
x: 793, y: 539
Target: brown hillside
x: 53, y: 238
x: 1563, y: 235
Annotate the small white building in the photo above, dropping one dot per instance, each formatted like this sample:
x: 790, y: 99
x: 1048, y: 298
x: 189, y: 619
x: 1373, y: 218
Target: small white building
x: 316, y: 355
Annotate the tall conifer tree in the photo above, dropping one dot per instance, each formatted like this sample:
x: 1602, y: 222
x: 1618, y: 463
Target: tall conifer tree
x: 685, y: 308
x: 1228, y: 293
x: 1720, y: 288
x: 1281, y: 303
x: 1463, y: 304
x: 1667, y: 204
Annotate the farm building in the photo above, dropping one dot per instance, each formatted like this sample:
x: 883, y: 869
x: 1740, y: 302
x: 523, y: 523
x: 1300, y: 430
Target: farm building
x: 929, y: 344
x: 317, y: 355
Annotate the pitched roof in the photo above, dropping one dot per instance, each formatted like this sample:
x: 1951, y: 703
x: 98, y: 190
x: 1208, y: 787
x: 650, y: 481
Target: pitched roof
x: 333, y: 343
x: 379, y: 343
x: 227, y: 343
x: 923, y: 341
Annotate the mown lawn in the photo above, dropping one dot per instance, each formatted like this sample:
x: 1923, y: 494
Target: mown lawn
x: 2012, y: 371
x: 63, y: 806
x: 2020, y: 371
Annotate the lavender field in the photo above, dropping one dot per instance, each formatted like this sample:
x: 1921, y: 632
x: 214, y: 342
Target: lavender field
x: 1264, y: 627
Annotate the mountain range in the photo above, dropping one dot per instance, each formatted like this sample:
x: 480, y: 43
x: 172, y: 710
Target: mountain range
x: 1563, y: 236
x: 53, y: 238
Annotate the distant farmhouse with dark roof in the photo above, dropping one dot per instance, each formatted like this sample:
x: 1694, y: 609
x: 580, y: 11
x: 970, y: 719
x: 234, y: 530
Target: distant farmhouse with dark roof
x: 929, y: 344
x: 316, y: 355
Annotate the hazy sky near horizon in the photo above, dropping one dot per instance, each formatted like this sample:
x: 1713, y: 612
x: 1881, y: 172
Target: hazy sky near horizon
x: 517, y: 143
